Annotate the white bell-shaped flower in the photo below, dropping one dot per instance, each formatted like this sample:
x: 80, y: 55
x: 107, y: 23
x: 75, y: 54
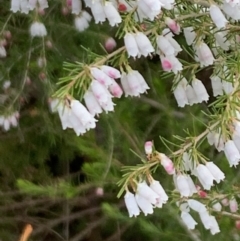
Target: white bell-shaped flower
x: 216, y: 86
x: 3, y: 52
x: 83, y: 115
x: 131, y: 45
x: 188, y: 220
x: 189, y: 35
x: 191, y: 95
x: 38, y: 29
x: 222, y: 41
x: 227, y: 86
x: 217, y: 16
x: 191, y: 185
x: 157, y: 188
x: 144, y: 45
x: 131, y: 204
x: 180, y: 95
x: 196, y: 206
x: 165, y: 46
x: 232, y: 153
x: 76, y: 6
x: 216, y: 172
x: 15, y: 6
x: 183, y: 186
x: 144, y: 204
x: 112, y: 14
x: 82, y: 22
x: 205, y: 176
x: 200, y: 90
x: 145, y: 191
x: 98, y: 11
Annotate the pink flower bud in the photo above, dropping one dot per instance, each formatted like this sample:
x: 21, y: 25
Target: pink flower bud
x: 173, y: 25
x: 115, y: 89
x: 148, y: 147
x: 7, y: 35
x: 65, y: 11
x: 202, y: 194
x: 49, y: 44
x: 237, y: 224
x: 233, y: 205
x: 69, y: 3
x: 122, y: 7
x: 110, y: 44
x: 225, y: 202
x: 167, y: 164
x: 41, y: 11
x: 99, y: 191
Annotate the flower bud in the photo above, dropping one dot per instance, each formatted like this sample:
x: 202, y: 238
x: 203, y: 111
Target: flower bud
x: 148, y: 147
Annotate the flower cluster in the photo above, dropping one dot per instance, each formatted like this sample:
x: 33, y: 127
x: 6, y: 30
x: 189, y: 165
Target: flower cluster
x: 73, y: 115
x: 24, y: 6
x: 98, y: 97
x: 186, y: 94
x: 146, y: 198
x: 10, y: 120
x: 209, y: 222
x: 138, y: 44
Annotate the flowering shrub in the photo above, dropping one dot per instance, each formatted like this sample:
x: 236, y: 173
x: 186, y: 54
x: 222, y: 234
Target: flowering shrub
x: 186, y: 37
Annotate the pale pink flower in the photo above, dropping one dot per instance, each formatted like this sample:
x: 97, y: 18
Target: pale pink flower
x: 101, y: 76
x: 133, y: 83
x: 111, y: 72
x: 92, y: 103
x: 102, y: 95
x: 204, y: 54
x: 167, y: 164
